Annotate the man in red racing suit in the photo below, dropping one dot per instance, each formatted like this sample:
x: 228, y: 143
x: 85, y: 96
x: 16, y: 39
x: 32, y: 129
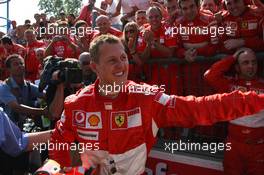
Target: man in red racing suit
x: 118, y: 126
x: 245, y: 134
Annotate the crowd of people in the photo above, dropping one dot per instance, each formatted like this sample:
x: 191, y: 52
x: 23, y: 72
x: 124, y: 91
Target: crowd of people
x: 153, y: 34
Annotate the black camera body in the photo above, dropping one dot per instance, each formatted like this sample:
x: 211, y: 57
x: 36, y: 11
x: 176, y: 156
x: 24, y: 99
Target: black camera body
x: 69, y: 71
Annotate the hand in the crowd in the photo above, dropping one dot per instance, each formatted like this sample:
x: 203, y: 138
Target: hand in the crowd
x: 123, y: 19
x: 66, y: 169
x: 55, y: 75
x: 190, y: 55
x: 130, y: 43
x: 218, y: 17
x: 148, y: 36
x: 233, y: 43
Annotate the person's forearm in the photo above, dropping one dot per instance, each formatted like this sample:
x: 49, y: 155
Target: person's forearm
x: 48, y: 50
x: 29, y: 110
x: 56, y: 106
x: 37, y: 139
x: 101, y: 11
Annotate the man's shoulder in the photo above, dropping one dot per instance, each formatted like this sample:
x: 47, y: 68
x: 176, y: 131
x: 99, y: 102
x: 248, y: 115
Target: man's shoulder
x: 82, y: 94
x: 4, y: 86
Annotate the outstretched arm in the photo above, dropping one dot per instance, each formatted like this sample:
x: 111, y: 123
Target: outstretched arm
x: 191, y: 111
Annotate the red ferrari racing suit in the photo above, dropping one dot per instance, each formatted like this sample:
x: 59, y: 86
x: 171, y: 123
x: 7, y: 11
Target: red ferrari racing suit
x: 245, y: 134
x: 122, y: 130
x: 249, y: 26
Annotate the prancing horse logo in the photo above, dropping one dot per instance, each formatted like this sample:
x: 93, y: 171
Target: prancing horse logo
x: 120, y: 119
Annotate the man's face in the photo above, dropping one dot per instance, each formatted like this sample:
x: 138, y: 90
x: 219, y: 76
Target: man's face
x: 37, y: 17
x: 209, y: 5
x: 154, y: 18
x: 43, y: 16
x: 85, y: 66
x: 70, y: 18
x: 17, y: 67
x: 189, y: 9
x: 103, y: 25
x: 131, y: 32
x: 235, y: 7
x: 247, y: 65
x: 81, y: 31
x: 171, y: 7
x: 141, y: 19
x: 29, y: 37
x: 113, y: 64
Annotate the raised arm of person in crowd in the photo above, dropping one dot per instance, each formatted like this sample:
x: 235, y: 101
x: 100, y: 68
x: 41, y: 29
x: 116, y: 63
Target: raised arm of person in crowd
x: 215, y: 76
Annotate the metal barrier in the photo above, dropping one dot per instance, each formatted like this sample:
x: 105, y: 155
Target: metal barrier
x: 155, y: 70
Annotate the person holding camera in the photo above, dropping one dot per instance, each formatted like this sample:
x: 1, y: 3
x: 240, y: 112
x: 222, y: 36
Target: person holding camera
x: 18, y: 97
x: 120, y: 119
x: 61, y: 77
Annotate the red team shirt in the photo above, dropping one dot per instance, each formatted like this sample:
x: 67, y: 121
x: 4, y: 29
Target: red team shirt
x: 201, y: 20
x: 31, y: 62
x: 62, y: 49
x: 249, y: 26
x: 161, y: 74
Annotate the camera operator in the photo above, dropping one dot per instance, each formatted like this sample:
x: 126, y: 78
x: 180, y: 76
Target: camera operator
x: 63, y: 78
x: 88, y: 75
x: 18, y: 97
